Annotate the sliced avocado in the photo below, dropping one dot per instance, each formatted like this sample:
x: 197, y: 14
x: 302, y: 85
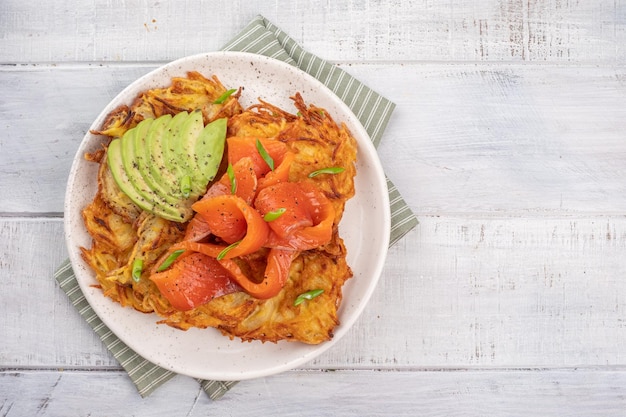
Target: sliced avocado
x: 151, y: 161
x: 121, y: 177
x: 172, y: 160
x: 130, y: 159
x: 116, y: 165
x: 156, y: 169
x: 144, y: 151
x: 208, y: 151
x: 182, y: 149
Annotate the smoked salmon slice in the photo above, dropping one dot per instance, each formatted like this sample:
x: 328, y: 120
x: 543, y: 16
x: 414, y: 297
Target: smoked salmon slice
x: 307, y: 221
x: 194, y: 280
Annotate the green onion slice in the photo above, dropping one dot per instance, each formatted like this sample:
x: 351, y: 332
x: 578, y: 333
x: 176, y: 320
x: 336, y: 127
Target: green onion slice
x: 227, y: 249
x: 170, y: 260
x: 309, y: 295
x: 137, y: 269
x: 270, y: 216
x: 266, y: 157
x: 231, y: 176
x: 224, y: 96
x: 329, y: 170
x: 185, y: 186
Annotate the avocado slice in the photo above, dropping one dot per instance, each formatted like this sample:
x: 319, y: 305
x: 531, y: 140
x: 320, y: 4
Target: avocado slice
x: 208, y: 151
x: 152, y: 148
x: 180, y: 150
x: 139, y: 194
x: 130, y: 159
x: 145, y: 148
x: 152, y: 162
x: 172, y: 161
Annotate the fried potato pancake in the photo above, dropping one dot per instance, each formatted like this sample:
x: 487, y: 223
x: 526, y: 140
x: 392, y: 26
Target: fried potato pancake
x: 314, y: 137
x: 185, y: 94
x: 120, y: 231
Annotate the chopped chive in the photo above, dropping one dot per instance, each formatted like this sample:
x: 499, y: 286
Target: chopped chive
x: 231, y: 176
x: 224, y: 96
x: 329, y: 170
x: 185, y: 186
x: 266, y: 157
x: 270, y: 216
x: 309, y: 295
x: 227, y: 249
x: 137, y: 269
x: 299, y: 114
x: 170, y: 260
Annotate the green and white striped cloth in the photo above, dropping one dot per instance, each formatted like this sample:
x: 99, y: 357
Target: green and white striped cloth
x: 373, y: 111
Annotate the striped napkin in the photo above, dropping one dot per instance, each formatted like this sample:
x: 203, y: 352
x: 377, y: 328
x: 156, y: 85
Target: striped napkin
x: 372, y: 110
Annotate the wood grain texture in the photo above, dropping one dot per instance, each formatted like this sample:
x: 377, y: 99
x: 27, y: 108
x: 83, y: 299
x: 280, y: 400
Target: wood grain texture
x: 46, y: 112
x: 508, y: 142
x: 475, y: 138
x: 515, y: 138
x: 355, y: 30
x: 457, y: 292
x: 584, y: 393
x: 39, y: 325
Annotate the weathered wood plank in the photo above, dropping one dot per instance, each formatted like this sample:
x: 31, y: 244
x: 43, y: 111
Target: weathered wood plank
x: 457, y: 292
x: 464, y: 138
x: 36, y: 315
x: 342, y: 393
x: 507, y: 141
x: 357, y: 30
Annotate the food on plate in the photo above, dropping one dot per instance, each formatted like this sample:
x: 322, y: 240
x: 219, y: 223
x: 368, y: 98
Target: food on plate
x: 212, y: 215
x: 164, y: 165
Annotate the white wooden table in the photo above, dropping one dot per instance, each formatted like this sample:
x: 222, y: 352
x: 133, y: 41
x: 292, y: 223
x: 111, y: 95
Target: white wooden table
x: 508, y: 142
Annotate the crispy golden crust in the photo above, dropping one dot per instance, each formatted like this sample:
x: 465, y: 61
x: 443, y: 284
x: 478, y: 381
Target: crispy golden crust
x: 314, y: 137
x: 240, y: 315
x: 121, y: 231
x: 185, y: 94
x: 113, y: 197
x: 116, y: 243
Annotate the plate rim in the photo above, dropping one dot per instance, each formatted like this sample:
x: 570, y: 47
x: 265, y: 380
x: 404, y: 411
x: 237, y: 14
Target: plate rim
x: 346, y: 323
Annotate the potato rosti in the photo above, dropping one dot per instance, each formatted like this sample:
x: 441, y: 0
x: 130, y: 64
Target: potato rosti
x: 122, y: 232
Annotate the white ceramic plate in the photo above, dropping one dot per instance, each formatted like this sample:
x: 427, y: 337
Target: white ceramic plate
x: 205, y: 353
